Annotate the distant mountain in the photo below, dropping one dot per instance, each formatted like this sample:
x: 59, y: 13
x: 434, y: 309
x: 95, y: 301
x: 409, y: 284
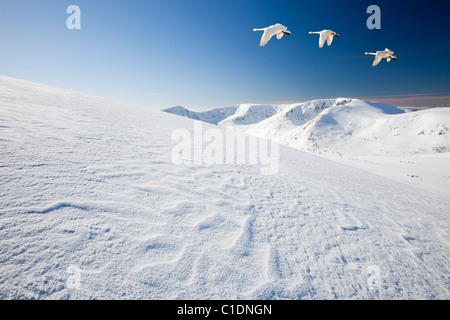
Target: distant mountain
x: 211, y: 116
x: 338, y: 126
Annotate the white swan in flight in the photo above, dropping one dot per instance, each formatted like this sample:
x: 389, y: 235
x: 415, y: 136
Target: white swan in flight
x: 379, y: 55
x: 269, y: 32
x: 325, y: 35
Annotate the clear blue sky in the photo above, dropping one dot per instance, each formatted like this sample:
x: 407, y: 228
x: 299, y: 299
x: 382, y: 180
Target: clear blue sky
x: 203, y: 53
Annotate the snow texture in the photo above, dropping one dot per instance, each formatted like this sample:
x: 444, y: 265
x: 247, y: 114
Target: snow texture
x: 92, y: 207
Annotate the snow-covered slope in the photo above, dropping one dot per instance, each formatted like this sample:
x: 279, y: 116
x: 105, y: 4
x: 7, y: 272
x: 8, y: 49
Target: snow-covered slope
x: 247, y: 114
x: 213, y: 116
x: 365, y: 128
x: 342, y: 126
x: 359, y: 133
x: 93, y: 207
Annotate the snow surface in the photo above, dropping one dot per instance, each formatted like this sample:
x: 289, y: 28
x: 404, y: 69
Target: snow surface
x: 93, y: 207
x: 410, y: 147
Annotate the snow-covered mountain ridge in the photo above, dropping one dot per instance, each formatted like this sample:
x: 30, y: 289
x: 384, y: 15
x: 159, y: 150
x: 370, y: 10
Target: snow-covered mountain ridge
x: 411, y: 147
x: 213, y: 116
x: 339, y: 126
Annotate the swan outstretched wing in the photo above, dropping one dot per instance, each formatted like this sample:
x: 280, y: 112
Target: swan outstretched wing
x: 378, y: 58
x: 322, y: 39
x: 330, y: 39
x: 267, y: 35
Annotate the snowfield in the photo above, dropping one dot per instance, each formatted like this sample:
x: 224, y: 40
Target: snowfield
x: 410, y: 147
x: 93, y: 207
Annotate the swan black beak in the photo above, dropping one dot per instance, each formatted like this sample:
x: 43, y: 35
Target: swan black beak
x: 336, y: 35
x: 287, y: 32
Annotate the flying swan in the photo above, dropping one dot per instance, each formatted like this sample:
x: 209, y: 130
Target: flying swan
x: 325, y: 35
x: 269, y: 32
x: 379, y: 55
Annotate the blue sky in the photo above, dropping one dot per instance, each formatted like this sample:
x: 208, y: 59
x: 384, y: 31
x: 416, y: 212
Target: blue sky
x: 203, y: 53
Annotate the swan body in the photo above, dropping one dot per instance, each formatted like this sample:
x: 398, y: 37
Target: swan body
x: 277, y: 29
x: 379, y: 55
x: 325, y: 36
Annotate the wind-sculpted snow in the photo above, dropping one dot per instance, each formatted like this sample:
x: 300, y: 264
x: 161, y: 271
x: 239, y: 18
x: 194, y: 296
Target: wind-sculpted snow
x: 93, y: 207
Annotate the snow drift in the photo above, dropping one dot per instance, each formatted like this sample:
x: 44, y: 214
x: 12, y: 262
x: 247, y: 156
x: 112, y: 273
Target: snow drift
x: 92, y: 207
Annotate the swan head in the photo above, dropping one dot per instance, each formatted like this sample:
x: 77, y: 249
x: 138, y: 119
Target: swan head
x: 287, y: 32
x: 334, y: 34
